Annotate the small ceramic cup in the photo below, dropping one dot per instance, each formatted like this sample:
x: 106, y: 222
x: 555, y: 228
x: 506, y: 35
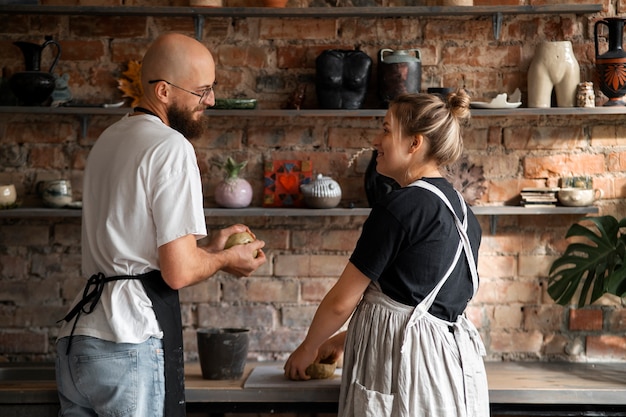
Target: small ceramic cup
x: 55, y: 193
x: 8, y: 196
x: 579, y: 197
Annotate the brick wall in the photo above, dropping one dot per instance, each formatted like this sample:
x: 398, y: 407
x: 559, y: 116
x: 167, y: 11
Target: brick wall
x: 267, y: 59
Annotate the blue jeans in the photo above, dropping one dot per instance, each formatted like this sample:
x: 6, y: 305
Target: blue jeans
x: 102, y: 378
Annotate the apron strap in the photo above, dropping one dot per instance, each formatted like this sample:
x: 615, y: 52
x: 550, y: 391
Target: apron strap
x: 461, y: 227
x: 166, y: 306
x: 464, y: 244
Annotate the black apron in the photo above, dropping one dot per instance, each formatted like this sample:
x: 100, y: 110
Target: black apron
x: 166, y: 305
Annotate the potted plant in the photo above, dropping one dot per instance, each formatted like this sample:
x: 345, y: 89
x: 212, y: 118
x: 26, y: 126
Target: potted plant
x: 232, y: 191
x: 595, y: 264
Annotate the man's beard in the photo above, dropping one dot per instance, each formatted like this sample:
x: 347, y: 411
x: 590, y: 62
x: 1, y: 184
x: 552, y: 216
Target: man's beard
x: 181, y: 119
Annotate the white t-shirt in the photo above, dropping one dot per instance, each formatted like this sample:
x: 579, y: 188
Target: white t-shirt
x: 141, y: 189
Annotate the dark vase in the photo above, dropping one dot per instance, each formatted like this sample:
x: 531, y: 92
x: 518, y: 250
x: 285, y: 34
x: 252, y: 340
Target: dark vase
x: 611, y: 65
x: 376, y: 185
x: 341, y: 78
x: 399, y: 72
x: 33, y: 86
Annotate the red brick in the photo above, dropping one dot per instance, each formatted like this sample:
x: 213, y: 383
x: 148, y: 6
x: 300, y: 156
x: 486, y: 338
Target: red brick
x: 23, y: 342
x: 292, y: 29
x: 560, y: 165
x: 315, y: 289
x: 108, y: 26
x: 606, y: 347
x: 585, y: 319
x: 82, y: 50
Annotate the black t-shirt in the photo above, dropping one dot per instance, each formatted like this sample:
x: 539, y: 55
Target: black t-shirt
x: 408, y: 243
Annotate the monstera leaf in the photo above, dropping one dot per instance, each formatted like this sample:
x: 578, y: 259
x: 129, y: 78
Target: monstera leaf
x: 595, y: 264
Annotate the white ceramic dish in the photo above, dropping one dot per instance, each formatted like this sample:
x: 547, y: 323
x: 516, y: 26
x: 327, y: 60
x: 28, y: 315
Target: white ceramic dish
x: 500, y: 102
x: 492, y: 105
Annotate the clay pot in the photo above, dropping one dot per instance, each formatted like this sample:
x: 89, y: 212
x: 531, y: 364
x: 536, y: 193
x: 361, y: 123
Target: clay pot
x: 275, y: 3
x: 8, y: 196
x: 399, y: 72
x: 322, y: 193
x: 579, y: 197
x: 222, y: 352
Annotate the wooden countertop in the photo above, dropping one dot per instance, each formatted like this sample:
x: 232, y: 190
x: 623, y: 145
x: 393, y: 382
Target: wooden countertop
x: 509, y: 382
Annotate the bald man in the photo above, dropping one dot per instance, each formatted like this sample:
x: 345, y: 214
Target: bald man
x: 120, y: 349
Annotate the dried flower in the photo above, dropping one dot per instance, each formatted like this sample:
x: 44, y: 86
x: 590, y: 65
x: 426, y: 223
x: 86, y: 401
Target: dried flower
x: 354, y: 157
x: 131, y: 84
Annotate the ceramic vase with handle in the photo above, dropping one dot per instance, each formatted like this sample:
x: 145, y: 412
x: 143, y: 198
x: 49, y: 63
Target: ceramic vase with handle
x: 33, y: 86
x: 611, y: 65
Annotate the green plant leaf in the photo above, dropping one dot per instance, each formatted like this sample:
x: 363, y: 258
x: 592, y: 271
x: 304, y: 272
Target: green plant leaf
x: 594, y: 265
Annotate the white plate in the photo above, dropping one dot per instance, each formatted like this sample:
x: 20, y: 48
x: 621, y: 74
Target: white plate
x: 490, y: 105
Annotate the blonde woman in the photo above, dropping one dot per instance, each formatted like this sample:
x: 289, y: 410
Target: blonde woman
x: 409, y: 350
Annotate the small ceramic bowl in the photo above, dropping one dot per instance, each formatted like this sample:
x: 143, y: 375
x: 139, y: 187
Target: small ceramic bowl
x: 8, y: 196
x: 55, y: 193
x: 579, y: 197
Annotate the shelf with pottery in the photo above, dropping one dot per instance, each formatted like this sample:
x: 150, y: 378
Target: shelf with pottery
x: 200, y: 13
x: 493, y: 211
x: 549, y: 111
x: 85, y: 112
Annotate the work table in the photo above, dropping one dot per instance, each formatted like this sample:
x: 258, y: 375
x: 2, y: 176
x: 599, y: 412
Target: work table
x: 512, y: 386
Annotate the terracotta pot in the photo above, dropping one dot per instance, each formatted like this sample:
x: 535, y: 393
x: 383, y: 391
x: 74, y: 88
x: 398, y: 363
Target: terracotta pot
x: 275, y: 3
x: 457, y: 2
x: 205, y: 3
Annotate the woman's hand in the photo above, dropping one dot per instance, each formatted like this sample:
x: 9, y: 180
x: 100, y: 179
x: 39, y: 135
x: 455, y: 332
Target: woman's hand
x: 332, y: 349
x: 299, y: 360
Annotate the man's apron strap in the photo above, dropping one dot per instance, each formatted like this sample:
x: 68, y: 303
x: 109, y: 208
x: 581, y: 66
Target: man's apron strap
x: 166, y: 306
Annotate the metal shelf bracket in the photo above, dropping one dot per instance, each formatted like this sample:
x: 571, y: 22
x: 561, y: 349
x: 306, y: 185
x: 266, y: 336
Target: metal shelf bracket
x: 497, y: 25
x: 84, y: 123
x: 493, y: 223
x: 198, y: 23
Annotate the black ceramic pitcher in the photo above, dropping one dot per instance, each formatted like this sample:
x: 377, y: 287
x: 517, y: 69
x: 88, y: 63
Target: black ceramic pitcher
x: 33, y: 86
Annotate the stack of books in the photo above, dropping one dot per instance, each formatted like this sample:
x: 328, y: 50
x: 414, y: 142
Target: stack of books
x: 544, y: 197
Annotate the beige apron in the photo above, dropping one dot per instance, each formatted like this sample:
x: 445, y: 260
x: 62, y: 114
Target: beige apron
x: 401, y: 361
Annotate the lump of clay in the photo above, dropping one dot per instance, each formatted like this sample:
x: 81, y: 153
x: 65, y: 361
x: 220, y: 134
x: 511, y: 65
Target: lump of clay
x: 321, y: 370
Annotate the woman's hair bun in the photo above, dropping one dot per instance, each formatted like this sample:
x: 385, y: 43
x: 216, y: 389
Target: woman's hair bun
x: 459, y: 104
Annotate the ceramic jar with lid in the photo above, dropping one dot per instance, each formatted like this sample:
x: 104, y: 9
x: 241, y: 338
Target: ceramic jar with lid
x: 322, y: 193
x: 399, y: 72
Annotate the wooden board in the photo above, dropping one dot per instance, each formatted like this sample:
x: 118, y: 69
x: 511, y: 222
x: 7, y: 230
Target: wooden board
x: 272, y: 376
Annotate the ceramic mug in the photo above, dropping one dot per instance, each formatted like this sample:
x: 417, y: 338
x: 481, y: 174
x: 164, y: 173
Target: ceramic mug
x: 55, y: 193
x: 8, y: 196
x: 579, y: 197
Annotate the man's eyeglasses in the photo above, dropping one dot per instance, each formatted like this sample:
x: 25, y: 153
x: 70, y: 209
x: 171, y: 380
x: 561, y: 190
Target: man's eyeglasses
x: 205, y: 93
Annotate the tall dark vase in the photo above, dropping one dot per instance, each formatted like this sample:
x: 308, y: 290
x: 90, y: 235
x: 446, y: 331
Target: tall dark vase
x: 376, y: 185
x: 611, y: 65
